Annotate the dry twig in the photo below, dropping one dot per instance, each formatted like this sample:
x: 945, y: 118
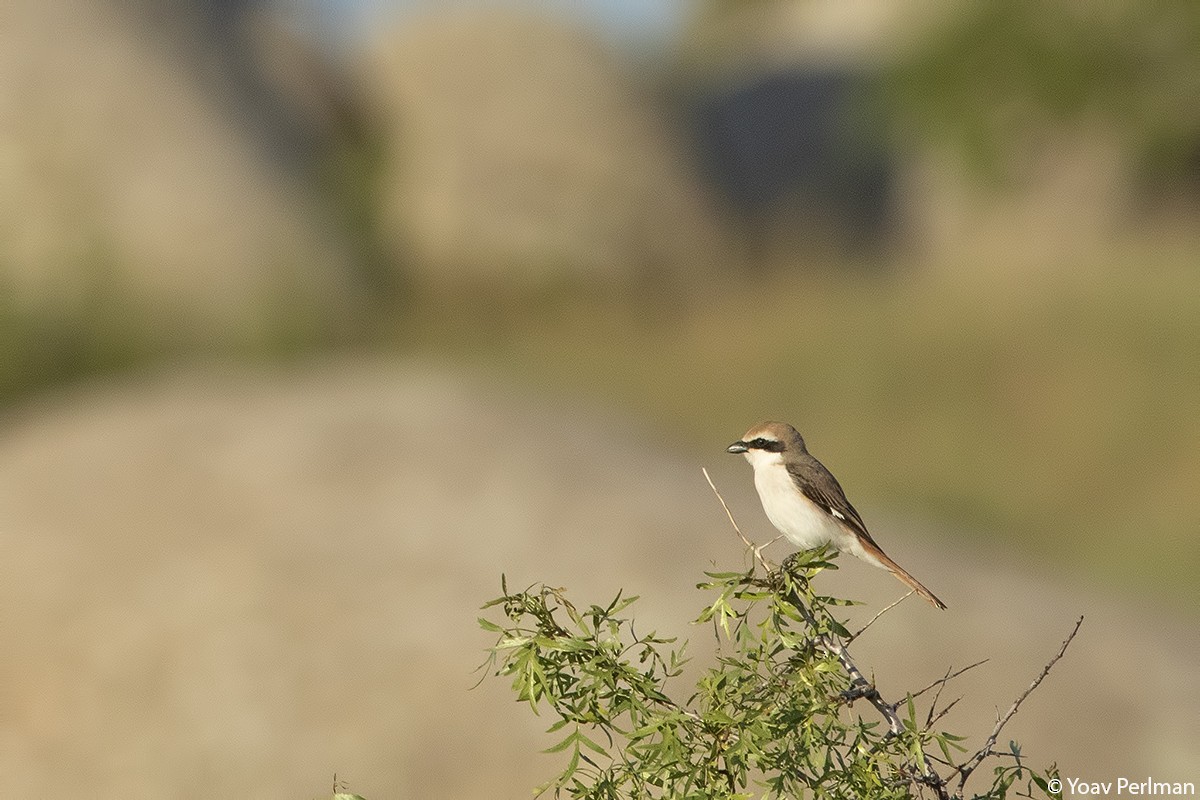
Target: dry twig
x: 966, y: 769
x: 755, y: 549
x: 886, y: 609
x: 949, y: 677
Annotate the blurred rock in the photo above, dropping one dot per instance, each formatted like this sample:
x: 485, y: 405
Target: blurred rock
x: 225, y: 584
x: 134, y: 175
x: 518, y: 151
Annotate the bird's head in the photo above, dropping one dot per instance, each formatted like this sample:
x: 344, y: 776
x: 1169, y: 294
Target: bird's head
x: 768, y: 442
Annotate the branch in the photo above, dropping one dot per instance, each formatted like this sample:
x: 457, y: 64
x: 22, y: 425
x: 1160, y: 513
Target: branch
x: 860, y: 687
x: 966, y: 769
x: 755, y: 549
x: 933, y: 721
x: 886, y: 609
x: 949, y: 677
x: 936, y: 696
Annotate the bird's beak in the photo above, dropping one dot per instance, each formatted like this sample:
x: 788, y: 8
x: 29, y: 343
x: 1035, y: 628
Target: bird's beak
x: 737, y: 447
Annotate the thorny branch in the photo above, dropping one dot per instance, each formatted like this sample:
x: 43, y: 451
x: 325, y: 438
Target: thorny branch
x: 949, y: 676
x: 860, y: 687
x: 965, y: 770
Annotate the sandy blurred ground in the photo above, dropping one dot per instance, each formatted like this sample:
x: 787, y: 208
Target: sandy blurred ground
x: 217, y: 583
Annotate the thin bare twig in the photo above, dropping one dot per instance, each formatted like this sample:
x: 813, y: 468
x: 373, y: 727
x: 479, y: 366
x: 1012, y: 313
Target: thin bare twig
x: 871, y: 621
x: 943, y: 712
x: 949, y: 677
x: 966, y: 769
x: 937, y: 696
x: 755, y: 549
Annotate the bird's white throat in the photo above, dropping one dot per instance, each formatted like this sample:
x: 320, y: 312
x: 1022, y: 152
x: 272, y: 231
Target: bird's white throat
x: 798, y: 518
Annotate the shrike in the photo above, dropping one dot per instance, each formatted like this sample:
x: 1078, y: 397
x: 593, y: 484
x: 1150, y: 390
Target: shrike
x: 806, y: 503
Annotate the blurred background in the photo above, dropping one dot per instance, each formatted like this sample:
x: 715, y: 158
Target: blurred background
x: 318, y: 315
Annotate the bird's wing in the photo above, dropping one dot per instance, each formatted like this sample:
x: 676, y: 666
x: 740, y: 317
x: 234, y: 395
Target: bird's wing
x: 819, y: 486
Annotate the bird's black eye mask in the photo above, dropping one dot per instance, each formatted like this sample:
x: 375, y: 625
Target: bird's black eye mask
x: 770, y: 445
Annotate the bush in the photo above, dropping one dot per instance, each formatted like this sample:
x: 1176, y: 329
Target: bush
x: 773, y: 715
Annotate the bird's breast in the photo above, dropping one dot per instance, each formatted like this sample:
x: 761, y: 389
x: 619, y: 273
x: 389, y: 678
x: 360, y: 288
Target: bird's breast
x: 799, y: 519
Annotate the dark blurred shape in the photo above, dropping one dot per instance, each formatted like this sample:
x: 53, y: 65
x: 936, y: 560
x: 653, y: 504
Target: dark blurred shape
x: 792, y: 141
x: 779, y: 100
x: 1025, y: 133
x: 284, y: 90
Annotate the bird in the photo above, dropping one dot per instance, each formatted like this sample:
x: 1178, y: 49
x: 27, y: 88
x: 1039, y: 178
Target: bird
x: 806, y: 503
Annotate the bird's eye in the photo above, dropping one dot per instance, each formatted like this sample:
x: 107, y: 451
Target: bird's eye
x: 759, y: 442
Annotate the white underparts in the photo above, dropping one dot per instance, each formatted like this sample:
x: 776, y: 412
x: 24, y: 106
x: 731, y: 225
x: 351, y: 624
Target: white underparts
x: 804, y: 523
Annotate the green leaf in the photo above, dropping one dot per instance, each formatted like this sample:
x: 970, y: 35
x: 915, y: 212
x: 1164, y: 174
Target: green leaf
x: 945, y: 748
x: 766, y: 712
x: 557, y: 726
x: 512, y: 643
x: 571, y: 767
x: 618, y: 604
x: 723, y: 576
x: 569, y: 740
x: 591, y: 745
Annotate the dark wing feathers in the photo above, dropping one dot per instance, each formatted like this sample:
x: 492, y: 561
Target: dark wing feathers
x: 819, y: 485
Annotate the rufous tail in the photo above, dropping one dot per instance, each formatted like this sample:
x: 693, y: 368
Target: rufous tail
x: 903, y: 575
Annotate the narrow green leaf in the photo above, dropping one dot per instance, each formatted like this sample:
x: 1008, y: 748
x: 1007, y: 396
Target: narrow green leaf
x: 592, y: 745
x: 571, y: 767
x: 513, y: 643
x: 564, y: 744
x: 944, y: 748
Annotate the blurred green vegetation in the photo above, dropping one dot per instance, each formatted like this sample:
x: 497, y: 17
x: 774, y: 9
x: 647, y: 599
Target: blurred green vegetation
x: 1060, y: 413
x: 90, y: 331
x: 992, y: 75
x: 102, y: 326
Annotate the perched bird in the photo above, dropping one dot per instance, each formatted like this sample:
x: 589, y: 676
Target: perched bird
x: 806, y: 503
